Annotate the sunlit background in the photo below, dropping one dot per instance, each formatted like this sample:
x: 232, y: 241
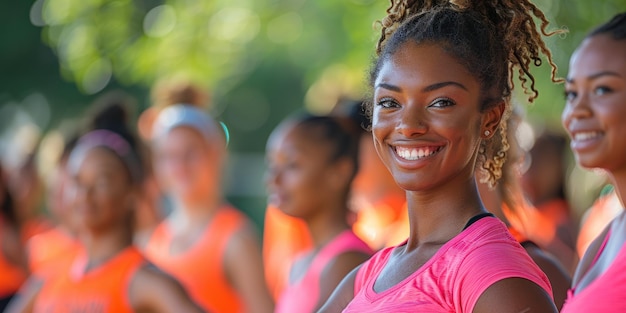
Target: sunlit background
x: 260, y: 60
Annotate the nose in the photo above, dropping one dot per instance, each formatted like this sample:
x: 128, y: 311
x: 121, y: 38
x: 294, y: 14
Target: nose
x: 78, y: 193
x: 412, y: 121
x: 576, y: 109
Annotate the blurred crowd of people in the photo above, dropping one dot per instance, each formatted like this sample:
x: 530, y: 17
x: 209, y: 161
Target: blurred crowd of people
x: 113, y: 214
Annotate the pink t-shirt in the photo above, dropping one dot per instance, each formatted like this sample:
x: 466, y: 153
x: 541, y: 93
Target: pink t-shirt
x: 607, y: 293
x: 303, y: 295
x: 454, y: 278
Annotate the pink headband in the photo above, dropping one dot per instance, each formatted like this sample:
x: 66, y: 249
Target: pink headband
x: 111, y: 141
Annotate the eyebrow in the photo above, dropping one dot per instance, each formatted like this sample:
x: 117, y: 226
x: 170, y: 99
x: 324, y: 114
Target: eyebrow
x: 426, y: 89
x: 597, y: 75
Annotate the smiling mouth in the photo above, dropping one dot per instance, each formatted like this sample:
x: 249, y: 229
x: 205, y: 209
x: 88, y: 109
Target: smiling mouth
x: 412, y: 154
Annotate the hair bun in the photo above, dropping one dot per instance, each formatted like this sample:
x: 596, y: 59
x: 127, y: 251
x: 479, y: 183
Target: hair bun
x: 170, y: 92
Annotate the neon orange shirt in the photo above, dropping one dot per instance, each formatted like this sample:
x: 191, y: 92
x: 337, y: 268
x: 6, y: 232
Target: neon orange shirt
x: 599, y: 215
x: 102, y: 289
x: 47, y: 248
x: 383, y: 224
x: 200, y: 269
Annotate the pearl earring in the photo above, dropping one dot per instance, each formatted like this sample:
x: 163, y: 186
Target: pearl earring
x: 487, y: 133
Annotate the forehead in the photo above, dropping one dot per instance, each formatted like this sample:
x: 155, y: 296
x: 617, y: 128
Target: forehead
x: 597, y: 54
x: 423, y: 64
x: 181, y: 136
x: 100, y: 159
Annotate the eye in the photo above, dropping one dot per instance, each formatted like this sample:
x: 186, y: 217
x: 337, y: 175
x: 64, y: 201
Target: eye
x: 602, y: 90
x: 441, y: 103
x: 387, y: 103
x: 570, y: 95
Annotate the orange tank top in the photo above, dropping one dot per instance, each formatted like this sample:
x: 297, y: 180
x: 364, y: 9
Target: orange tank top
x: 200, y: 269
x: 102, y: 289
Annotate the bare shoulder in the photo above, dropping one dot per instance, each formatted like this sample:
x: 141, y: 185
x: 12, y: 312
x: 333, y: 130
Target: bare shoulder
x: 343, y: 294
x: 343, y: 264
x: 514, y: 295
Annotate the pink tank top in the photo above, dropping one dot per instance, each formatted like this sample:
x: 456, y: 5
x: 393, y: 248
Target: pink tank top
x: 454, y: 278
x: 303, y: 295
x: 607, y: 293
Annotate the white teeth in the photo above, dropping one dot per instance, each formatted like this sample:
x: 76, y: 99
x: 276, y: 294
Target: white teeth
x: 413, y: 154
x: 586, y: 135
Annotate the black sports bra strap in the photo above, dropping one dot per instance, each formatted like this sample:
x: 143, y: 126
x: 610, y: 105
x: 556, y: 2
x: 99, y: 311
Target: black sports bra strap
x: 475, y: 218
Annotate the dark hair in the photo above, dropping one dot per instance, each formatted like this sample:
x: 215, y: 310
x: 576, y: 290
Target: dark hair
x: 491, y: 38
x: 616, y: 27
x: 335, y: 132
x: 355, y: 112
x: 171, y: 92
x: 111, y: 112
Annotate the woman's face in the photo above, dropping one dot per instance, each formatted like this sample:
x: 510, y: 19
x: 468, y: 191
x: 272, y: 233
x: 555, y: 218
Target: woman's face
x: 187, y: 166
x: 595, y: 109
x: 427, y: 122
x: 102, y: 191
x: 299, y: 173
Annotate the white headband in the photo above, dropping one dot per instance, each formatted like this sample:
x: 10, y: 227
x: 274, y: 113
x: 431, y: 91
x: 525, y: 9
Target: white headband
x: 183, y: 115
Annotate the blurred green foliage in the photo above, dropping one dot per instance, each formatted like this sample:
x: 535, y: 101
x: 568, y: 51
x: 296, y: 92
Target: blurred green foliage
x: 260, y: 58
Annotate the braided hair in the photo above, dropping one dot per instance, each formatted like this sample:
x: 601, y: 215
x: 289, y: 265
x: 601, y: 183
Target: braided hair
x: 495, y: 39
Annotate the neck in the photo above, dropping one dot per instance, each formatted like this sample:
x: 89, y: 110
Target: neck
x: 102, y: 246
x: 326, y: 225
x: 198, y: 208
x: 437, y: 215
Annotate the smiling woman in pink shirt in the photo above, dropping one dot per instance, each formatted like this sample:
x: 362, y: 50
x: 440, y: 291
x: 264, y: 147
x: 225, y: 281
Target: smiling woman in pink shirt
x: 442, y: 87
x: 594, y: 118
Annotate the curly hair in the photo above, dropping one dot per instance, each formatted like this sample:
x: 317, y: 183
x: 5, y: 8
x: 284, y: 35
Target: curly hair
x: 497, y: 40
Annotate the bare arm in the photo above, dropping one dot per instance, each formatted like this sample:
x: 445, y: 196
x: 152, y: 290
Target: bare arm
x: 514, y: 295
x: 244, y: 267
x: 334, y: 273
x: 343, y: 294
x: 154, y: 291
x: 24, y: 301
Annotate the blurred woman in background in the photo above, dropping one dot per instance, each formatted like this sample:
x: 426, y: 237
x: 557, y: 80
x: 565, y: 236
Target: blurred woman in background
x: 109, y: 274
x: 205, y: 243
x: 312, y: 163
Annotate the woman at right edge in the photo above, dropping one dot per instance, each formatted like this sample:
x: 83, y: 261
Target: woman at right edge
x: 594, y: 116
x: 442, y: 87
